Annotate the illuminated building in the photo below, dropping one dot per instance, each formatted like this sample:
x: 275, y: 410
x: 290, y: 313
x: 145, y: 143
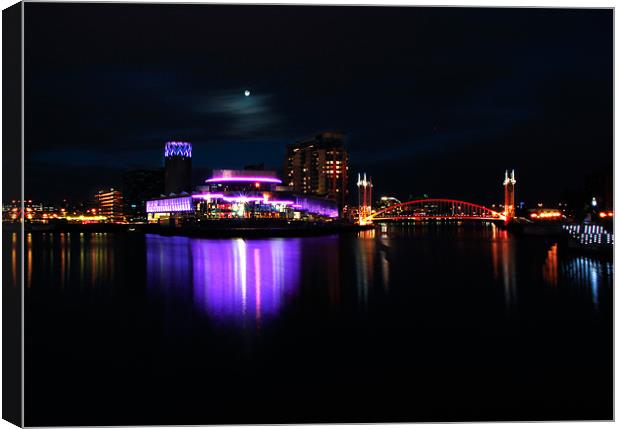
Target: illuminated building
x: 590, y: 235
x: 170, y: 209
x: 138, y: 187
x: 110, y: 204
x: 385, y: 202
x: 34, y: 212
x: 178, y: 168
x: 239, y: 194
x: 319, y: 166
x: 13, y: 212
x: 243, y: 180
x: 316, y: 206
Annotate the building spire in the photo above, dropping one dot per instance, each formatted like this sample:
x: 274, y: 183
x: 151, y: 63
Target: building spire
x: 509, y: 195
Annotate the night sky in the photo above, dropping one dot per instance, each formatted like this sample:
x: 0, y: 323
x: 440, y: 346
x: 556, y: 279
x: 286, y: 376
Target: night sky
x: 433, y: 100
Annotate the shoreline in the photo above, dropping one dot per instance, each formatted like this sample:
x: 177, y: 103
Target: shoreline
x: 275, y: 230
x: 228, y: 231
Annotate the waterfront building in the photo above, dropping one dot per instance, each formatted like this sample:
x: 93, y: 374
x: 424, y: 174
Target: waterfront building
x: 34, y: 212
x: 246, y: 180
x: 110, y: 205
x: 139, y: 186
x: 240, y: 194
x: 318, y: 166
x: 13, y: 211
x: 386, y: 201
x: 178, y: 168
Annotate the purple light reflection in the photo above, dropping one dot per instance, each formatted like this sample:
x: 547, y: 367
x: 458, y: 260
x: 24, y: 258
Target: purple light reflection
x: 233, y: 281
x: 240, y: 281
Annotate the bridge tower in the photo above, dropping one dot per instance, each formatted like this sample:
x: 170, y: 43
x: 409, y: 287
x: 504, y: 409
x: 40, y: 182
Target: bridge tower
x: 364, y: 198
x: 509, y: 195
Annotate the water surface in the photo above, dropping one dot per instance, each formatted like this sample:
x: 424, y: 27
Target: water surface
x: 404, y: 323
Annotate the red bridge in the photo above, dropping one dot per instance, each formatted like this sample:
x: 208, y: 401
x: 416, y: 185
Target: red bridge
x: 435, y: 208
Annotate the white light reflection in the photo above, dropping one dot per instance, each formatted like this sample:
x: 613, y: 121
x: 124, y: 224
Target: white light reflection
x: 589, y: 273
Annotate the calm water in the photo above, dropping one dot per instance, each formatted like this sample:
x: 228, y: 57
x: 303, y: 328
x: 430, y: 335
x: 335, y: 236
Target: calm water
x: 398, y: 324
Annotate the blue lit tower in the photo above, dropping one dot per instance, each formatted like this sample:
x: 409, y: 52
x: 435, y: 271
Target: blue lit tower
x: 178, y: 176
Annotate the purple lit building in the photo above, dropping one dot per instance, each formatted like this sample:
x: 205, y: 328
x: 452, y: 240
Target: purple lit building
x: 178, y: 168
x: 242, y: 180
x: 240, y: 194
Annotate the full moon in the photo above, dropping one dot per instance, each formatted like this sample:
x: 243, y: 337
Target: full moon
x: 247, y: 93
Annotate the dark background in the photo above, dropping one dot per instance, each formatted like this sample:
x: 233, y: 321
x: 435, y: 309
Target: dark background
x: 433, y: 100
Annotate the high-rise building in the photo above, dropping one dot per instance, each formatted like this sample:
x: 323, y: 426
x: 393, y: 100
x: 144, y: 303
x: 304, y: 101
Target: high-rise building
x: 140, y: 186
x: 110, y: 205
x: 319, y: 166
x: 178, y: 173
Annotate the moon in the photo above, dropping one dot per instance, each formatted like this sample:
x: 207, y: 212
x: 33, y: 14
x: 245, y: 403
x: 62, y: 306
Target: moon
x: 247, y: 93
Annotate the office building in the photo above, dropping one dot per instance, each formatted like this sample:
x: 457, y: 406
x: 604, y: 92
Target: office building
x: 318, y: 166
x: 138, y: 187
x: 178, y: 168
x: 110, y: 205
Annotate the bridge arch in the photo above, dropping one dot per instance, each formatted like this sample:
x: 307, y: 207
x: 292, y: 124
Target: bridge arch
x: 435, y: 208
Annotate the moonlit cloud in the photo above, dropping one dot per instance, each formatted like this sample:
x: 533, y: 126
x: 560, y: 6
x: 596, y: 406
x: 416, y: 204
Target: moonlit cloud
x: 245, y: 115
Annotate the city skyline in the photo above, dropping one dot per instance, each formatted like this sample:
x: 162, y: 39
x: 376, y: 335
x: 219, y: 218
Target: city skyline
x: 414, y: 89
x: 265, y: 214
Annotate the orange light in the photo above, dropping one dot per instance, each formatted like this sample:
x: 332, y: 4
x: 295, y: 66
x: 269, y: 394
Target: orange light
x: 257, y: 185
x: 610, y: 213
x: 549, y: 215
x: 602, y: 214
x: 546, y: 214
